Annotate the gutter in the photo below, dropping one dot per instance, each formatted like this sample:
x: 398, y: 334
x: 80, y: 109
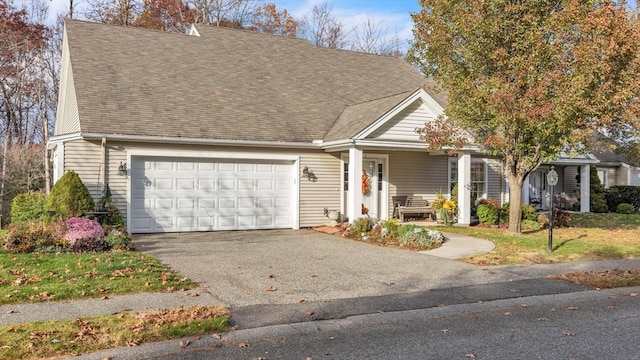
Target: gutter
x: 192, y: 141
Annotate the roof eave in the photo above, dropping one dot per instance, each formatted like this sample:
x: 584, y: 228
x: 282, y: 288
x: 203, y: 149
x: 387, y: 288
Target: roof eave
x: 198, y: 141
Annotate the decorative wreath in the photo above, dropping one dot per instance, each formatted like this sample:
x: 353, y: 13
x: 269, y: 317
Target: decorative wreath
x: 366, y: 183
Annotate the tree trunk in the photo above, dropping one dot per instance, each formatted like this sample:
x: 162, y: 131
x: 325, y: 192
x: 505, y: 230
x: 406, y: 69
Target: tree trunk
x: 515, y: 203
x: 3, y: 175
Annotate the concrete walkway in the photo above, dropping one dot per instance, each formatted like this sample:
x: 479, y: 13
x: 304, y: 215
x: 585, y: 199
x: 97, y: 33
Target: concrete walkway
x: 460, y: 246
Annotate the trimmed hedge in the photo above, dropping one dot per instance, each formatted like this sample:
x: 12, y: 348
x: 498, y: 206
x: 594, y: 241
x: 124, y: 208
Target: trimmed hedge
x: 28, y: 207
x: 488, y: 214
x: 70, y: 197
x: 621, y: 194
x: 625, y: 208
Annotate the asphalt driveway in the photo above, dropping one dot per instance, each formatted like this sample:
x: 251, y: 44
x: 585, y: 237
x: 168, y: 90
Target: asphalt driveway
x: 292, y: 266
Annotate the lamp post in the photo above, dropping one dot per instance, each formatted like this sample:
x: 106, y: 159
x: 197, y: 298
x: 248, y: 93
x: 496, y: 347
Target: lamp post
x: 552, y: 179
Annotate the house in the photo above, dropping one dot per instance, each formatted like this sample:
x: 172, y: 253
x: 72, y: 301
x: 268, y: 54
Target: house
x: 614, y: 169
x: 223, y: 129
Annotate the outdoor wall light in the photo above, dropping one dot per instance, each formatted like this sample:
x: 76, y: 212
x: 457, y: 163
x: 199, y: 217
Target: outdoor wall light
x: 122, y: 169
x: 308, y: 173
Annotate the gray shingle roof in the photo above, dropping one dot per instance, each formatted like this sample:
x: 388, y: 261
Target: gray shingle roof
x: 227, y: 84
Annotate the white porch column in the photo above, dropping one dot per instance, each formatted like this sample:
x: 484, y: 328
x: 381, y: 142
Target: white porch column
x: 526, y: 199
x: 354, y: 194
x: 585, y: 188
x: 464, y: 185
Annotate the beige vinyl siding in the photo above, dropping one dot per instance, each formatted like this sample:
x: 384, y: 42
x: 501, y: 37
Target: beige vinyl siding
x: 324, y: 192
x: 402, y: 126
x: 117, y: 183
x: 83, y: 157
x: 611, y: 176
x: 635, y: 177
x: 416, y: 173
x: 67, y: 117
x: 313, y: 196
x: 495, y: 182
x: 622, y: 176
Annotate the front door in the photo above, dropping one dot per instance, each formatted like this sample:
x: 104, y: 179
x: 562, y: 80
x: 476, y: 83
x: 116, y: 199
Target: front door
x: 538, y: 189
x: 373, y: 188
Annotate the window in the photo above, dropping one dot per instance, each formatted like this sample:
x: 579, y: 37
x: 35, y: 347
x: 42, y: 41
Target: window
x: 478, y: 184
x: 602, y: 175
x: 379, y: 177
x: 345, y: 177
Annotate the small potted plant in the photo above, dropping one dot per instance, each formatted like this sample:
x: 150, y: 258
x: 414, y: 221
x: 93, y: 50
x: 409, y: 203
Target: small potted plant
x: 438, y: 204
x: 448, y: 211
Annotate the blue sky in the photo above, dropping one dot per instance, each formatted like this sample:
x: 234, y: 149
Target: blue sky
x: 393, y: 13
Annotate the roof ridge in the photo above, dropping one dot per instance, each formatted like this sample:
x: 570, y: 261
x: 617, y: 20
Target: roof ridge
x: 129, y: 28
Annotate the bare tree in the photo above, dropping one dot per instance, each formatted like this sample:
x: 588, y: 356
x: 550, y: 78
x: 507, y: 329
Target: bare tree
x: 230, y: 13
x: 324, y: 30
x: 118, y: 12
x: 371, y: 37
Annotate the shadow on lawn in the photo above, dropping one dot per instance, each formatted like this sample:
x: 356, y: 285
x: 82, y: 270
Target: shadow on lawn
x: 567, y: 241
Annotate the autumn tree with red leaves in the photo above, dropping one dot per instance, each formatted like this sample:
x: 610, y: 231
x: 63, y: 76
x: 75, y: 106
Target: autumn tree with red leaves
x: 268, y: 19
x: 529, y: 79
x: 165, y: 15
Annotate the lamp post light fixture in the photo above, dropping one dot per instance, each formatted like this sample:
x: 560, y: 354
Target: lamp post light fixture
x: 552, y: 179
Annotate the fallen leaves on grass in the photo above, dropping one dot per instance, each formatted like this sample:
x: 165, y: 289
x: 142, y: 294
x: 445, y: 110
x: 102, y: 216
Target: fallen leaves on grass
x: 603, y: 279
x: 63, y: 338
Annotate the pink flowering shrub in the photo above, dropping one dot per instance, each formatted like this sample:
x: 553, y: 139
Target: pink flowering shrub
x: 80, y: 229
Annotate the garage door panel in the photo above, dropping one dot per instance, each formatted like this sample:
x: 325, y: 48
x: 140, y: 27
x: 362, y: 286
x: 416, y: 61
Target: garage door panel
x: 227, y: 184
x: 185, y: 166
x: 185, y: 184
x: 246, y: 184
x: 177, y: 194
x: 185, y: 203
x: 163, y: 184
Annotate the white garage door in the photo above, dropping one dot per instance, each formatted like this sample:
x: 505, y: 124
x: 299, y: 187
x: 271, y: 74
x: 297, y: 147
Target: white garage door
x: 180, y: 194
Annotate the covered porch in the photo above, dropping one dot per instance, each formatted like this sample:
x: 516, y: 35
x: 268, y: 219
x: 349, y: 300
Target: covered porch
x: 374, y: 176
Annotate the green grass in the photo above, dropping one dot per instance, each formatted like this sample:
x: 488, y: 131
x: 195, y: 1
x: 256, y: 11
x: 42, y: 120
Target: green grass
x: 53, y: 277
x: 591, y: 237
x: 38, y: 340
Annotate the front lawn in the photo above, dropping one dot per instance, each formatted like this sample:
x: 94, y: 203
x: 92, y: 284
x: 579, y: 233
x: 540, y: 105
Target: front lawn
x: 34, y: 277
x: 39, y: 340
x: 591, y: 237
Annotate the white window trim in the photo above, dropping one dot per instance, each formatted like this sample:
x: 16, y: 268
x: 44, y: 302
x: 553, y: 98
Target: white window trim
x: 454, y: 160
